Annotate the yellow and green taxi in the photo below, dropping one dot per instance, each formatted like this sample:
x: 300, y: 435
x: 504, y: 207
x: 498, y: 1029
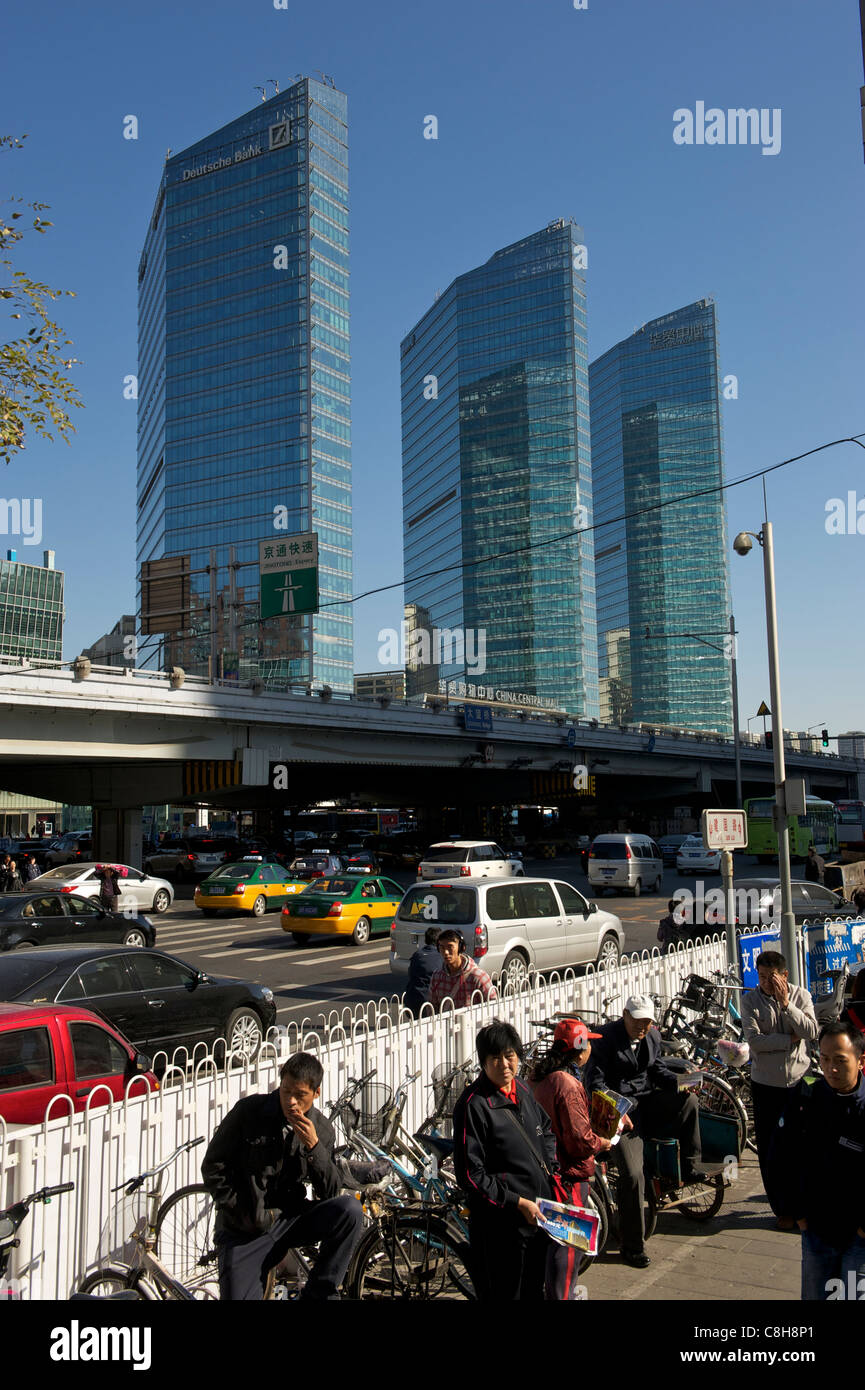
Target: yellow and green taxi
x: 249, y: 885
x: 343, y: 905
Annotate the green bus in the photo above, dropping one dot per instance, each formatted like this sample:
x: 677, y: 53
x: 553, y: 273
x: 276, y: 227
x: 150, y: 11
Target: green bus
x: 818, y: 827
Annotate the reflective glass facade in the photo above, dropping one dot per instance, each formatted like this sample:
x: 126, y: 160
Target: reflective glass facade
x: 31, y: 612
x: 495, y: 433
x: 244, y: 381
x: 656, y: 434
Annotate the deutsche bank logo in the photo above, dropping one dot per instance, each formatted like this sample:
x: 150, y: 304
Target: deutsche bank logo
x: 280, y: 135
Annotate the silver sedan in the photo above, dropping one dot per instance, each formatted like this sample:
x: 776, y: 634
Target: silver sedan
x: 137, y: 890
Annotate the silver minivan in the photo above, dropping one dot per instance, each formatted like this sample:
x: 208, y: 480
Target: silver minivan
x: 510, y: 925
x: 626, y: 864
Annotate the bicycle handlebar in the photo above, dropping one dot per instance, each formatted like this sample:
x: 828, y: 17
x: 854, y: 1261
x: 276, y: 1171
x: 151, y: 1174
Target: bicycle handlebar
x: 131, y: 1185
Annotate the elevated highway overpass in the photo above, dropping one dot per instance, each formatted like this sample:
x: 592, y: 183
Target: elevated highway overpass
x: 121, y: 739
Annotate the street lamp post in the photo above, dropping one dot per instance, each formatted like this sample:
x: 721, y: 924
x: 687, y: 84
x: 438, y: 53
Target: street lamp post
x: 742, y: 545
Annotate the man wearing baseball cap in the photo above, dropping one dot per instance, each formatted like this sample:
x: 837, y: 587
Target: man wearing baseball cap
x: 626, y: 1058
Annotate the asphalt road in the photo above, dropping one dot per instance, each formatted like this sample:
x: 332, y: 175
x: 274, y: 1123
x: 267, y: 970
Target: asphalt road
x: 332, y: 974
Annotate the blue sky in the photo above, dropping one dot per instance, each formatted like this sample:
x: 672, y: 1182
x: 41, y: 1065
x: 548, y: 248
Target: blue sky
x: 543, y: 111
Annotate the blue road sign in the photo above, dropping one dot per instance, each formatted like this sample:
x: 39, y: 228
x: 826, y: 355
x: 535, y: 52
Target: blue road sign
x: 478, y: 719
x: 572, y: 737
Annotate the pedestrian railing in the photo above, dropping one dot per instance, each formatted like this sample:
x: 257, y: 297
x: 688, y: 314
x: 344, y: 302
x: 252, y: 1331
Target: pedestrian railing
x: 99, y: 1147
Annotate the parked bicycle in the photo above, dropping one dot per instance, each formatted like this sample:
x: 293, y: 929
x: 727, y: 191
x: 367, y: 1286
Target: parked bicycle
x: 154, y: 1256
x: 13, y: 1218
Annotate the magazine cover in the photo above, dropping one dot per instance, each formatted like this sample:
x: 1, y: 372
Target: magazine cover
x: 608, y: 1111
x: 568, y: 1225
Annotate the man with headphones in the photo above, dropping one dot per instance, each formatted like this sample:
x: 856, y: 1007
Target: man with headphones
x: 459, y: 978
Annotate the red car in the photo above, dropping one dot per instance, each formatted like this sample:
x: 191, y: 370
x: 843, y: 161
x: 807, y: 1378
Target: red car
x: 61, y: 1050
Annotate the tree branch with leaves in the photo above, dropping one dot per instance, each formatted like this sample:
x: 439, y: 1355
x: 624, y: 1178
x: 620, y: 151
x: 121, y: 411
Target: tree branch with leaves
x: 36, y: 392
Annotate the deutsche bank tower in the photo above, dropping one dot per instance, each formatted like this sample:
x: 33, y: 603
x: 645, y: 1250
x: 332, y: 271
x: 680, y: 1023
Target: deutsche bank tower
x: 244, y: 393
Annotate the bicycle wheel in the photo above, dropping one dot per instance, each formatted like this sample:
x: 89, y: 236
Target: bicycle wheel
x: 184, y: 1240
x: 410, y: 1255
x: 700, y: 1201
x: 718, y: 1097
x: 116, y: 1279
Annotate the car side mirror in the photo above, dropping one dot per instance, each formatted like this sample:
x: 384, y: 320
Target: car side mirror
x: 140, y: 1063
x: 593, y: 907
x: 201, y: 977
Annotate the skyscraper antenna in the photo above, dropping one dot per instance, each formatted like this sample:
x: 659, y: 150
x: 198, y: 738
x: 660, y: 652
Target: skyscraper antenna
x: 276, y: 85
x: 263, y: 92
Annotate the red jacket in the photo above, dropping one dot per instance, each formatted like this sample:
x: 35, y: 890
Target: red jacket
x: 564, y: 1099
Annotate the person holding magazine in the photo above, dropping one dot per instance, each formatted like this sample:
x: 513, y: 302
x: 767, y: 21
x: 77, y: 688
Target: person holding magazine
x: 504, y: 1154
x: 563, y: 1097
x: 627, y: 1060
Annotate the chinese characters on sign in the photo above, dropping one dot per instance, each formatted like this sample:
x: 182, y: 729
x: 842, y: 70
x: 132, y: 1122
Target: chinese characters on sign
x: 288, y: 571
x: 724, y: 829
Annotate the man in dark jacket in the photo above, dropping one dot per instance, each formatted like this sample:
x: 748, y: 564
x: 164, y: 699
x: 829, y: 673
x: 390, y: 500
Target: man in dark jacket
x: 817, y: 1163
x: 815, y: 866
x: 257, y: 1164
x: 504, y: 1154
x: 421, y: 968
x: 626, y: 1058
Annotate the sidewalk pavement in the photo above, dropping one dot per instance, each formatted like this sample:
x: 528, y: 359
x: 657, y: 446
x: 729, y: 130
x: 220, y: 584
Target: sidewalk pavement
x: 738, y: 1256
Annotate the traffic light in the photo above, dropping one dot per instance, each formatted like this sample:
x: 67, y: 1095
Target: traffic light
x: 824, y: 734
x: 768, y: 737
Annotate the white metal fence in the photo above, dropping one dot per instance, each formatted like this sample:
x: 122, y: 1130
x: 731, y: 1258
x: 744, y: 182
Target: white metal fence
x: 101, y: 1147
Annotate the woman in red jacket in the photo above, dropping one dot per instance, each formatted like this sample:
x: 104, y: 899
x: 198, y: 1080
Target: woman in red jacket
x: 563, y: 1097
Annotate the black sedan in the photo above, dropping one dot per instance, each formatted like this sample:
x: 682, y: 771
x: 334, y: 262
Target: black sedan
x: 46, y: 919
x: 159, y: 1002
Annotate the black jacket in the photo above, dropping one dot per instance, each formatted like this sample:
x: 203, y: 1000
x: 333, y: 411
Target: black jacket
x: 816, y: 1164
x: 495, y: 1163
x: 421, y: 968
x: 614, y: 1063
x: 256, y: 1162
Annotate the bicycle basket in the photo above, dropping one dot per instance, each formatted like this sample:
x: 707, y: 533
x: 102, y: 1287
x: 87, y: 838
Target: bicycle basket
x: 365, y: 1111
x: 448, y: 1084
x: 697, y: 994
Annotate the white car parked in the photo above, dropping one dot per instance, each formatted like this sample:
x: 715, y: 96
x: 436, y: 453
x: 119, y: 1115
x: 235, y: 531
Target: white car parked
x: 694, y: 858
x: 137, y: 890
x: 469, y: 859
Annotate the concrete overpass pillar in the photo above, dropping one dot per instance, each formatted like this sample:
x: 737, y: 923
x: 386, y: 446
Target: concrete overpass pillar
x: 117, y: 836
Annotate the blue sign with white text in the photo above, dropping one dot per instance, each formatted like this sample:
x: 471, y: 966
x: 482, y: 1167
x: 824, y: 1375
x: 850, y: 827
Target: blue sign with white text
x: 750, y: 948
x: 827, y: 946
x: 478, y: 719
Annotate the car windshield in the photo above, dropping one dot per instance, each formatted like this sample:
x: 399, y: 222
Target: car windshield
x: 236, y: 871
x: 452, y: 907
x: 318, y: 863
x: 66, y: 872
x: 338, y: 887
x: 450, y: 855
x: 208, y: 846
x: 20, y: 972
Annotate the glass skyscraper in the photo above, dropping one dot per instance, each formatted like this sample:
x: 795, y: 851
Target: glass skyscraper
x: 31, y: 609
x: 495, y: 433
x: 244, y: 384
x: 661, y: 570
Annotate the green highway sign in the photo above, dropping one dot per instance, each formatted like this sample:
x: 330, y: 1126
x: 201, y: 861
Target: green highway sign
x: 288, y: 573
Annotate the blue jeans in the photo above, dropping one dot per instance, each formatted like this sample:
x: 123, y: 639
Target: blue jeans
x: 829, y: 1273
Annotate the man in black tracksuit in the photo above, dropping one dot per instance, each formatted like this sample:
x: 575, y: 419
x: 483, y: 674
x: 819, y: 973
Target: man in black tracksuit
x: 627, y: 1059
x: 817, y: 1160
x: 256, y: 1165
x: 504, y: 1153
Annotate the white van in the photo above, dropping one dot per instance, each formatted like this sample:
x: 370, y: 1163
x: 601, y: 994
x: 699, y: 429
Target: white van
x: 510, y: 925
x: 626, y: 864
